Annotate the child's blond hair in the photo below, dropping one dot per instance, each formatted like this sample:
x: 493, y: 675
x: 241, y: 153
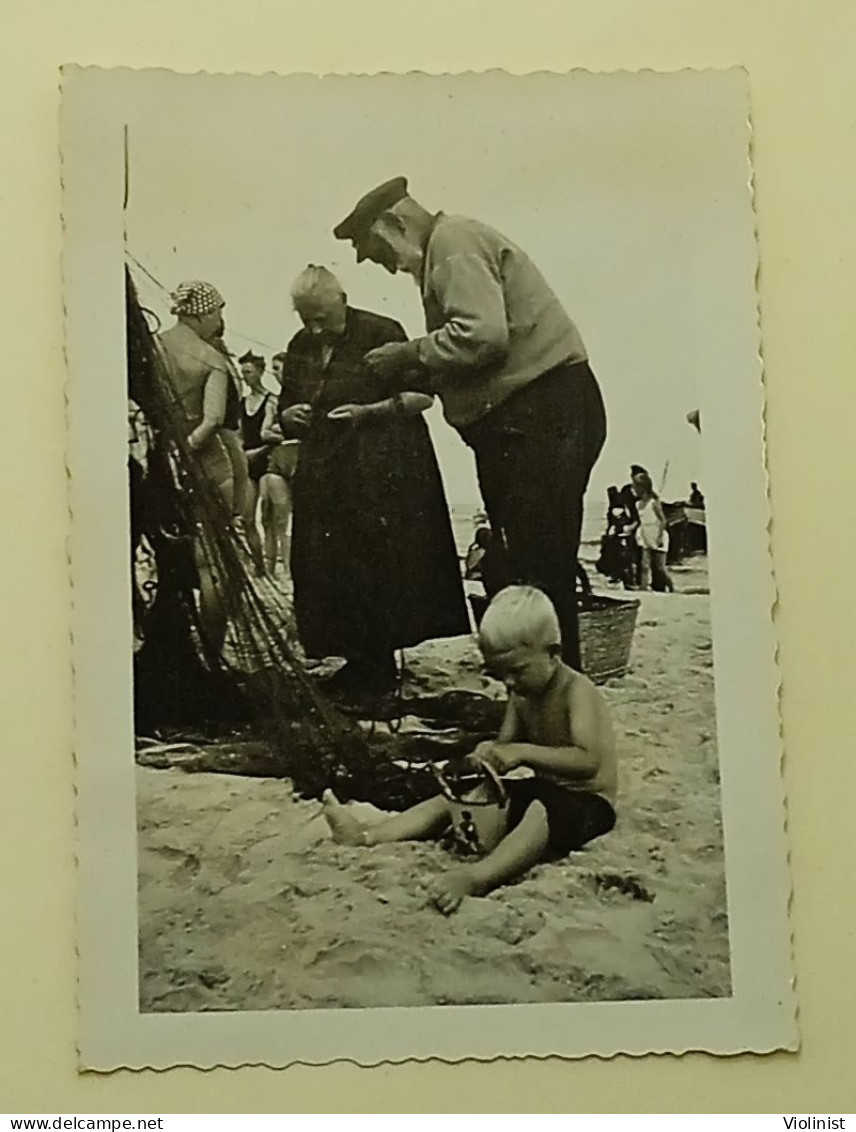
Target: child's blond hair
x: 519, y: 615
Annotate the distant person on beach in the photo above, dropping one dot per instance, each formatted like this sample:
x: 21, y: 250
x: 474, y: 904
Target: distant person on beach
x: 475, y: 553
x: 629, y: 498
x: 512, y: 373
x: 275, y: 486
x: 652, y: 535
x: 373, y: 558
x: 618, y: 549
x: 557, y: 726
x: 696, y: 498
x: 487, y: 562
x: 258, y: 407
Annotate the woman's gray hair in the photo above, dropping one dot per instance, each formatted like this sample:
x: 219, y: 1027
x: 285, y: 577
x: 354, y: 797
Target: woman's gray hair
x: 314, y: 281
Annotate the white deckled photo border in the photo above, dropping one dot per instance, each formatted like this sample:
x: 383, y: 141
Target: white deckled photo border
x: 759, y: 1016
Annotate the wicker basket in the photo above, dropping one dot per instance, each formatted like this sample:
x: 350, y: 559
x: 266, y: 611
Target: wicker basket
x: 607, y: 625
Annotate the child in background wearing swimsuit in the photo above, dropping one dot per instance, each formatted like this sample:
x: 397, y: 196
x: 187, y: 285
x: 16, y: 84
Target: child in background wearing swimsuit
x: 556, y: 725
x: 652, y: 535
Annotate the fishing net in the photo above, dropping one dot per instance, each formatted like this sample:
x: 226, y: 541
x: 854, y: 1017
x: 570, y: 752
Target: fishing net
x: 180, y: 524
x: 257, y: 687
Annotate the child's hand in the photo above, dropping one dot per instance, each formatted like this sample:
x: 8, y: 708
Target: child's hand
x: 500, y: 756
x: 482, y: 754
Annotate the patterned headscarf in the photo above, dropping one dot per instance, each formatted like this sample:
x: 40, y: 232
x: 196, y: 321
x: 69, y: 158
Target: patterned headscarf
x: 196, y: 298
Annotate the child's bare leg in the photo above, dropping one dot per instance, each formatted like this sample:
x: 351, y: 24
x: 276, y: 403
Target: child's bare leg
x: 269, y: 532
x: 276, y: 512
x: 281, y: 517
x: 427, y: 819
x: 517, y: 852
x: 645, y: 580
x: 250, y: 526
x: 270, y: 548
x: 662, y: 572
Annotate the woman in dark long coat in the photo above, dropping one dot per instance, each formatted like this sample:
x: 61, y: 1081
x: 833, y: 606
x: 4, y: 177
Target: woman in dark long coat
x: 373, y: 559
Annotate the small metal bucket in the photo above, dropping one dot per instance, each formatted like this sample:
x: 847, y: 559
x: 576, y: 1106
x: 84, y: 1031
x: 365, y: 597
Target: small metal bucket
x: 478, y: 804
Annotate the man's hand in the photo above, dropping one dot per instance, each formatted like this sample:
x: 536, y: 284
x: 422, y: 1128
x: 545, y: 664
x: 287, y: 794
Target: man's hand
x: 389, y: 359
x: 350, y: 414
x: 296, y: 418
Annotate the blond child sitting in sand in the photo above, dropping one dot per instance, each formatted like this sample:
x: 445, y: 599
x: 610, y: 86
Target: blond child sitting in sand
x: 556, y: 724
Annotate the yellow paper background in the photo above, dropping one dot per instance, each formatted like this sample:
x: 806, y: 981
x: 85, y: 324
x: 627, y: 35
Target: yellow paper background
x: 800, y: 61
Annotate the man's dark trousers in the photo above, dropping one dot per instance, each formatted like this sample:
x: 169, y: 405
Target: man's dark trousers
x: 534, y: 455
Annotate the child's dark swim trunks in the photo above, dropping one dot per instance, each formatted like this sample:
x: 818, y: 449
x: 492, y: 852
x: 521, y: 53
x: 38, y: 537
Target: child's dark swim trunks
x: 573, y: 817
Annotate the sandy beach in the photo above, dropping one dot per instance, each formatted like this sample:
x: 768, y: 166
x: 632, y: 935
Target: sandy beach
x: 247, y: 904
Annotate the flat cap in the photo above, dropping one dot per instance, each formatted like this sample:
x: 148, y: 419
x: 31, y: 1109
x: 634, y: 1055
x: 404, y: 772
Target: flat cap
x: 368, y: 208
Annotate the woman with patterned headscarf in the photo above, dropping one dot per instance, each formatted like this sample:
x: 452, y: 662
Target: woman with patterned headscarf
x: 206, y: 386
x: 206, y: 407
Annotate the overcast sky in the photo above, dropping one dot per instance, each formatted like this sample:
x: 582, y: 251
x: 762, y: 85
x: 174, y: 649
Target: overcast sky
x: 629, y: 192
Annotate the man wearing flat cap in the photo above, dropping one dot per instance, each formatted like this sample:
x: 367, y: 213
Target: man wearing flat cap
x: 512, y: 373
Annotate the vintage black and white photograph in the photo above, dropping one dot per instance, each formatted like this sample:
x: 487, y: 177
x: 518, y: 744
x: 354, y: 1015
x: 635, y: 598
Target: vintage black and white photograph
x: 423, y: 595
